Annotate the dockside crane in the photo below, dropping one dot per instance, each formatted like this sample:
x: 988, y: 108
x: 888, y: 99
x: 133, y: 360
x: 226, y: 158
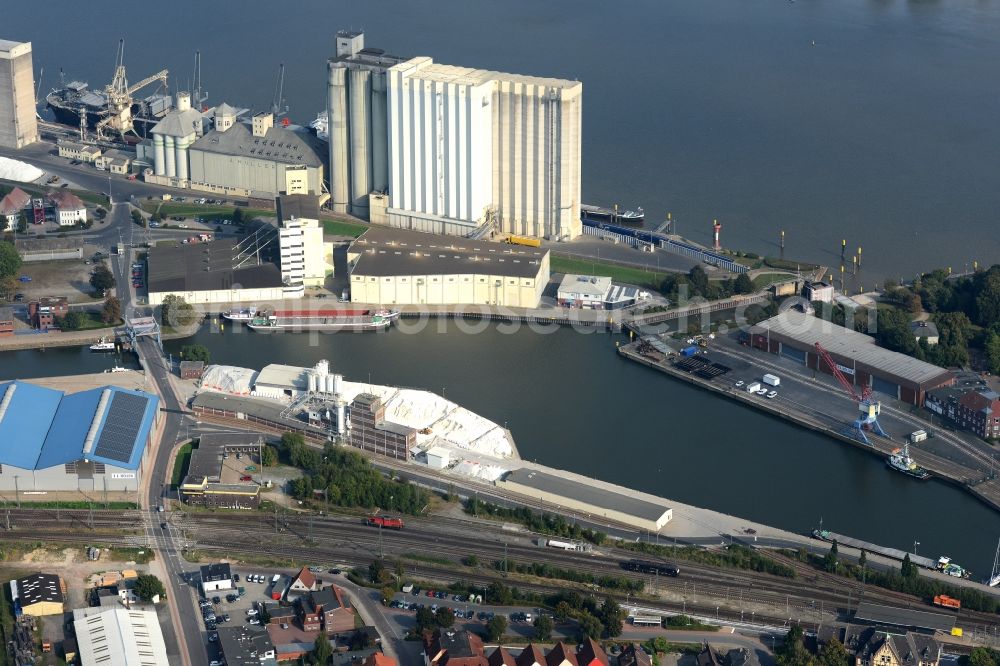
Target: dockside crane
x: 118, y: 115
x: 868, y: 409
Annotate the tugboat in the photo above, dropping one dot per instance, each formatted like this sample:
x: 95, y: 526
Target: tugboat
x: 901, y: 461
x: 102, y: 345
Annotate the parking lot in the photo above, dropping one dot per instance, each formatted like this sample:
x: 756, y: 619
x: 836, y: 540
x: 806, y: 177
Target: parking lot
x: 64, y: 277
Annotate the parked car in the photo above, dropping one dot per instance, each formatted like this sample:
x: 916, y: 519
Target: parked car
x: 247, y: 477
x: 24, y: 278
x: 216, y: 600
x: 18, y: 297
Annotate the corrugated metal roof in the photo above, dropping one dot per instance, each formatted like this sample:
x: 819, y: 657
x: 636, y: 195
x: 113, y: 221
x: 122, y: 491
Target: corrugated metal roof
x: 69, y: 429
x: 42, y: 428
x: 846, y: 343
x: 903, y: 617
x: 25, y: 422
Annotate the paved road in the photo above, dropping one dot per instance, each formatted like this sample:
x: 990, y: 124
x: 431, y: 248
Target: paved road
x: 186, y: 633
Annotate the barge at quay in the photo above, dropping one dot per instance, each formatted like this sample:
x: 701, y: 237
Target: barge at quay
x: 942, y: 564
x: 612, y: 215
x: 322, y: 320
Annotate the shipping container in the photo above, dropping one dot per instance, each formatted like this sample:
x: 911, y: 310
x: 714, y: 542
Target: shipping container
x: 917, y: 436
x: 772, y: 380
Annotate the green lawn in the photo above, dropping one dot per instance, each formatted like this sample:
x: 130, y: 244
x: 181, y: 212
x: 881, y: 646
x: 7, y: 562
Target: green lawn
x: 92, y: 321
x: 767, y: 279
x: 181, y: 464
x: 168, y: 209
x: 341, y: 228
x: 637, y: 276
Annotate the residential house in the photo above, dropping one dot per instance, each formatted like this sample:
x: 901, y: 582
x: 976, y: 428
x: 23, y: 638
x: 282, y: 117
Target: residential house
x: 532, y: 655
x: 69, y: 209
x: 44, y: 312
x: 378, y: 659
x: 454, y: 648
x: 561, y: 655
x: 12, y: 205
x: 708, y: 657
x: 325, y: 610
x: 215, y: 577
x: 591, y: 654
x: 501, y: 657
x: 303, y: 582
x: 742, y: 657
x: 634, y: 655
x: 873, y: 647
x: 979, y: 412
x: 925, y: 330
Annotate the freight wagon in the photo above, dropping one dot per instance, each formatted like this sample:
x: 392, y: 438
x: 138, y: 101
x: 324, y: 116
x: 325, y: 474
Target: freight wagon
x: 386, y: 522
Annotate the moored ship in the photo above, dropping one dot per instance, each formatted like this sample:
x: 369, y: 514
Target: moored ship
x: 613, y: 215
x: 901, y: 461
x: 322, y: 320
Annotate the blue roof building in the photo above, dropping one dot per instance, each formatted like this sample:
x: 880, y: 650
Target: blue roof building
x: 91, y: 440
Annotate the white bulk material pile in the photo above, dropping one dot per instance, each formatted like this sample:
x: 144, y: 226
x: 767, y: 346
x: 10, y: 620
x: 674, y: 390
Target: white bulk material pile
x: 476, y: 470
x: 18, y: 171
x: 228, y: 379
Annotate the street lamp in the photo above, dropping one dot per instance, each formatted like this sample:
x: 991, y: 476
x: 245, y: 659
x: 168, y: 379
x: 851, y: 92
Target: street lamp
x: 915, y: 544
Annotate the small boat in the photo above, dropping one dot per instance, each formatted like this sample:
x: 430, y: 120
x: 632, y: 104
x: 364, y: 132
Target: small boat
x: 102, y: 345
x: 242, y: 314
x: 117, y: 368
x: 995, y: 578
x: 901, y: 461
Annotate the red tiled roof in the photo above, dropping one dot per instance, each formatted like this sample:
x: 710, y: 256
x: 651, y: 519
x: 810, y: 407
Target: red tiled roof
x: 592, y: 654
x: 306, y: 578
x: 559, y: 654
x: 14, y: 202
x: 65, y: 200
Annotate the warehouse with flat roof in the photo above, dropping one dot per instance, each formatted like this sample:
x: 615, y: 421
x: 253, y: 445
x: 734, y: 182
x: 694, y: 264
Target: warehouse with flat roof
x: 224, y: 471
x: 213, y: 272
x: 401, y: 267
x: 794, y: 335
x: 86, y: 441
x: 567, y: 493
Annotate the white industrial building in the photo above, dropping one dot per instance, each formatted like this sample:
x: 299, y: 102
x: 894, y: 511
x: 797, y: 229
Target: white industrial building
x: 234, y: 158
x: 110, y: 636
x: 173, y: 136
x: 453, y: 150
x: 440, y: 147
x: 306, y: 260
x: 357, y: 116
x: 18, y: 123
x: 583, y: 291
x: 400, y: 267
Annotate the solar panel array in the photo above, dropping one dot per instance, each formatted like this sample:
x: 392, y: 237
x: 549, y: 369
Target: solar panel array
x: 121, y: 427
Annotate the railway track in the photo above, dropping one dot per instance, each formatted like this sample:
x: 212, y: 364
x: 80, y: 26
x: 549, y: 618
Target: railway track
x: 812, y: 592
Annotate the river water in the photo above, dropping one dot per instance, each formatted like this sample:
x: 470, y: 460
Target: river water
x: 872, y: 121
x: 572, y: 403
x: 869, y: 120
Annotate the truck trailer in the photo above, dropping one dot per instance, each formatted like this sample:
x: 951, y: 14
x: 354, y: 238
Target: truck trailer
x: 753, y: 387
x: 772, y: 380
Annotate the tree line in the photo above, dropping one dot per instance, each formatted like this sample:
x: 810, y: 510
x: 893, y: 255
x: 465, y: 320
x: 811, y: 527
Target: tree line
x: 544, y: 523
x: 346, y: 478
